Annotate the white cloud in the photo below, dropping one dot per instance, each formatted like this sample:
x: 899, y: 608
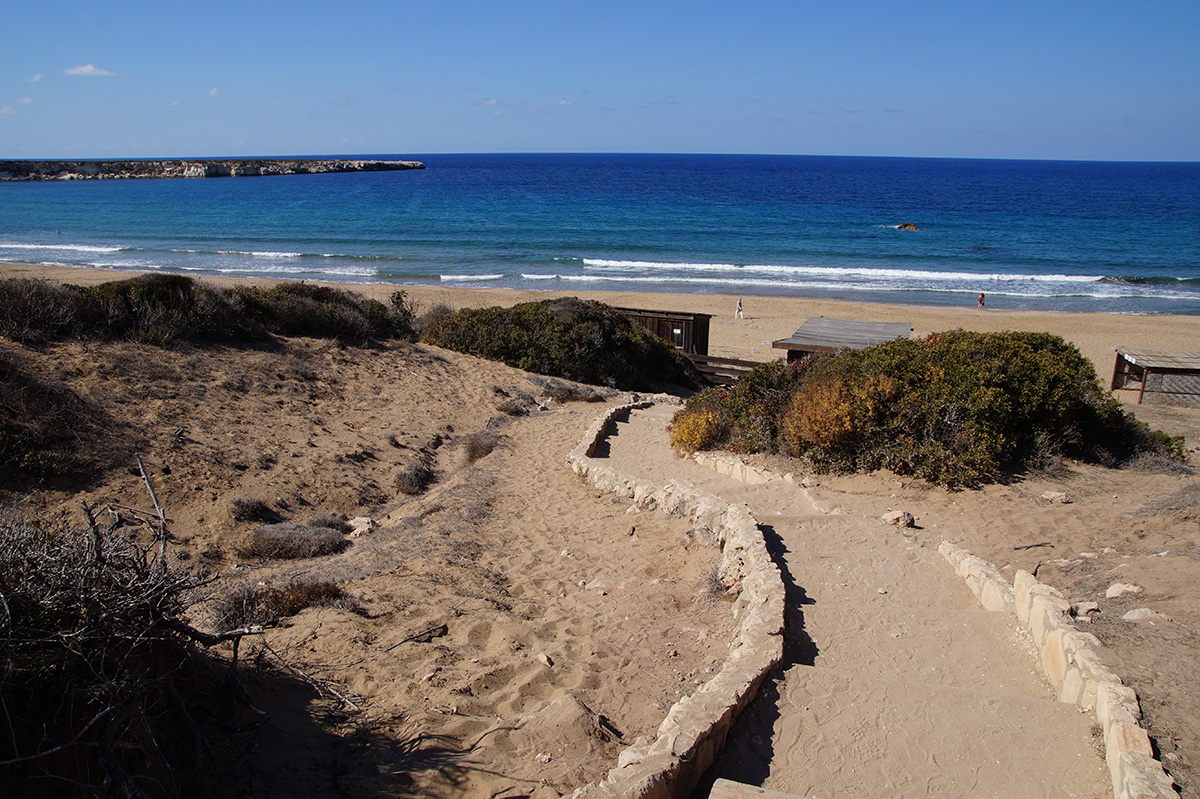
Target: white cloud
x: 25, y: 100
x: 37, y: 77
x: 7, y: 111
x: 88, y: 69
x: 173, y: 104
x: 212, y: 92
x: 563, y: 102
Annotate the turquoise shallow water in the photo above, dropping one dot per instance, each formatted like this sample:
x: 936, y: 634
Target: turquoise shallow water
x: 1120, y: 237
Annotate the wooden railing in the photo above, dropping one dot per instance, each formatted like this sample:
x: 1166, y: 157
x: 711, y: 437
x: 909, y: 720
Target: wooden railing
x: 720, y: 371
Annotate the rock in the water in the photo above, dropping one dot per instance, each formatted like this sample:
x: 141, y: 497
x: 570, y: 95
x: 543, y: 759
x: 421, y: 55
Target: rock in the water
x: 899, y: 518
x: 1120, y: 589
x: 907, y: 226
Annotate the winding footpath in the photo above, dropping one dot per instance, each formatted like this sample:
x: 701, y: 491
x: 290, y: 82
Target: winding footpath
x: 895, y: 681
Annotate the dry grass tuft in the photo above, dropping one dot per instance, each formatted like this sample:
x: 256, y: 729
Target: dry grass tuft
x: 332, y: 521
x: 289, y: 540
x: 416, y: 476
x: 481, y: 444
x: 252, y: 510
x: 264, y: 605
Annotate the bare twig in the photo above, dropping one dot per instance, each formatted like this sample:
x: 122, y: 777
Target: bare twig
x: 62, y: 746
x: 97, y: 538
x: 320, y: 685
x: 137, y: 511
x: 432, y: 632
x: 1034, y: 546
x: 162, y: 519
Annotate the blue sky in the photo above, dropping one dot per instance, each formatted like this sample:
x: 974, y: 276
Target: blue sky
x: 1049, y: 79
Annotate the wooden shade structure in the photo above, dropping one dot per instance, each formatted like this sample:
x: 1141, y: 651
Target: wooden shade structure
x: 819, y: 334
x: 1159, y: 377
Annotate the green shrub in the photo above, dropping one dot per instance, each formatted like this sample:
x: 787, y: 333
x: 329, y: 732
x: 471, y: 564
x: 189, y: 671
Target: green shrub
x: 165, y: 310
x: 955, y: 408
x: 583, y: 341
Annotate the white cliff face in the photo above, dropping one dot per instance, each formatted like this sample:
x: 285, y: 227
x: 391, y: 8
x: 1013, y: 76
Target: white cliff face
x: 207, y: 168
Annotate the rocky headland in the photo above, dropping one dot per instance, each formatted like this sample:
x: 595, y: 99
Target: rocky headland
x: 191, y: 168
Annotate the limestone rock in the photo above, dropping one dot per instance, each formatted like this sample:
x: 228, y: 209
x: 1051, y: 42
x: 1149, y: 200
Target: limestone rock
x: 1056, y: 497
x: 899, y: 518
x: 1120, y: 589
x: 361, y: 525
x: 1145, y: 614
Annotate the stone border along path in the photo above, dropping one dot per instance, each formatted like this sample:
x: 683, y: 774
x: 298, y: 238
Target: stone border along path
x: 1072, y: 663
x: 1069, y: 656
x: 695, y: 728
x: 895, y: 681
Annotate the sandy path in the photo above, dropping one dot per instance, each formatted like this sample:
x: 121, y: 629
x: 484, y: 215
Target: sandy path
x: 895, y: 682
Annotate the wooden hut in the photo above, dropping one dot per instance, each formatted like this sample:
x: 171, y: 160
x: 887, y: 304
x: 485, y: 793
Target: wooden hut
x: 687, y: 331
x: 819, y: 334
x: 1171, y: 378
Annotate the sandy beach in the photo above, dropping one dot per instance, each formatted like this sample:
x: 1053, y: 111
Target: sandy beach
x: 534, y: 598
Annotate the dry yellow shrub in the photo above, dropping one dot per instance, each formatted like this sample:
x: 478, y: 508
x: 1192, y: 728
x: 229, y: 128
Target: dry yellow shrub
x: 822, y: 414
x: 695, y: 430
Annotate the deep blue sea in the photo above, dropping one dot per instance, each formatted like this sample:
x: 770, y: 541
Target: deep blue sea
x: 1064, y: 236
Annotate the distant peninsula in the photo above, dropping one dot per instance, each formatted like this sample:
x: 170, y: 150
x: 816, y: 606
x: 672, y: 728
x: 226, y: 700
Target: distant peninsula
x: 191, y: 168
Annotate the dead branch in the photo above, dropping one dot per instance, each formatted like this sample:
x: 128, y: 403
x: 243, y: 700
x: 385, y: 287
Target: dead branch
x: 436, y: 631
x: 78, y: 736
x: 319, y: 685
x: 162, y: 519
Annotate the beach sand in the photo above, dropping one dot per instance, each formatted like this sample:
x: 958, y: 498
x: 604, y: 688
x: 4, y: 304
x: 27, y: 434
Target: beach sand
x: 554, y: 597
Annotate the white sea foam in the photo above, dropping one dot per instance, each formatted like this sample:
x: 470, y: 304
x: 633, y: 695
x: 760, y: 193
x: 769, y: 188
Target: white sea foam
x: 267, y: 254
x: 465, y: 278
x: 541, y: 277
x: 8, y: 245
x: 866, y: 273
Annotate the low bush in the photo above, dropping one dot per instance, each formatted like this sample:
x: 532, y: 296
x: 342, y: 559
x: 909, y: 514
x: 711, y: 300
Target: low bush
x: 692, y: 431
x: 290, y: 540
x: 333, y: 522
x: 416, y: 476
x: 264, y: 605
x: 165, y: 310
x: 252, y: 510
x: 583, y: 341
x: 955, y: 408
x: 481, y: 444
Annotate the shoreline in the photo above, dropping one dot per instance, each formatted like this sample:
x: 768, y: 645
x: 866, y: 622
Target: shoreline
x: 767, y: 318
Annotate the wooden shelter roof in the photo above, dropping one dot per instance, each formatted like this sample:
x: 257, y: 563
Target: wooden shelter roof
x: 1159, y: 360
x: 819, y: 334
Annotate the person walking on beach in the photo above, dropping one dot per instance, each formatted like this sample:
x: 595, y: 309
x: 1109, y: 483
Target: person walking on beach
x: 738, y: 313
x: 981, y: 301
